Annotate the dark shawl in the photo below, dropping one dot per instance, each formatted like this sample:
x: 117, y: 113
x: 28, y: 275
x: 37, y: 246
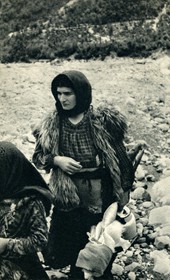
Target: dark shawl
x: 82, y: 88
x: 19, y: 178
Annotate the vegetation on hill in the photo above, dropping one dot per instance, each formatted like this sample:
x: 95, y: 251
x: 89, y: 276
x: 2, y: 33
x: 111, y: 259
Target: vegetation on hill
x: 103, y: 12
x: 19, y: 14
x: 83, y: 29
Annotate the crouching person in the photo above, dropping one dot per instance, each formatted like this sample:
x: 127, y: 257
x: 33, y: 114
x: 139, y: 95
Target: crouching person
x: 25, y: 201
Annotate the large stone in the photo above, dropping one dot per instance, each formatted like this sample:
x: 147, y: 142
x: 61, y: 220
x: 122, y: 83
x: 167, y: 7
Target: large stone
x: 160, y: 189
x: 143, y: 221
x: 161, y: 261
x: 148, y: 204
x: 139, y: 184
x: 133, y: 266
x: 159, y: 215
x: 138, y: 193
x: 162, y: 242
x: 117, y: 269
x: 164, y: 230
x: 165, y: 200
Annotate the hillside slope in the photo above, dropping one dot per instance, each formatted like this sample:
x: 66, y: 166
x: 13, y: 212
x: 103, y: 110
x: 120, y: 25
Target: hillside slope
x: 16, y: 15
x: 84, y: 29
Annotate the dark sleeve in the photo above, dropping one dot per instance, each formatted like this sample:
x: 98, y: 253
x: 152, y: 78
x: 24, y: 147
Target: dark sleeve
x: 43, y: 161
x: 37, y: 236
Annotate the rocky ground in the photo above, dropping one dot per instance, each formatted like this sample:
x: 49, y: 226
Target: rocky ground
x: 140, y: 88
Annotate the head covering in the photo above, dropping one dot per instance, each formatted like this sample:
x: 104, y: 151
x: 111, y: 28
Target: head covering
x: 19, y: 178
x: 81, y: 87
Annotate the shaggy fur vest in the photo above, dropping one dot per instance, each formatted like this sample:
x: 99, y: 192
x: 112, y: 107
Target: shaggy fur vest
x: 107, y: 128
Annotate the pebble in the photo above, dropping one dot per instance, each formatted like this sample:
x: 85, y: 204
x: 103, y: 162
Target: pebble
x: 152, y: 236
x: 128, y: 261
x: 164, y: 127
x: 133, y: 266
x: 141, y: 240
x: 131, y: 105
x: 148, y: 204
x: 162, y: 242
x: 129, y: 253
x: 117, y: 269
x: 159, y: 120
x: 140, y: 184
x: 138, y: 193
x: 131, y: 275
x: 144, y: 245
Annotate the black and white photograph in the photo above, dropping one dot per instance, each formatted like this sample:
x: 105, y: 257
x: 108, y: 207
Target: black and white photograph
x: 85, y: 140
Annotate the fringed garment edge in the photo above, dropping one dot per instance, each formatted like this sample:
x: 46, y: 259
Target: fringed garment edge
x: 105, y: 125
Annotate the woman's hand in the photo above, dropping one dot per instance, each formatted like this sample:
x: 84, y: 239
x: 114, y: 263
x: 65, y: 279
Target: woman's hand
x: 67, y: 164
x: 3, y: 244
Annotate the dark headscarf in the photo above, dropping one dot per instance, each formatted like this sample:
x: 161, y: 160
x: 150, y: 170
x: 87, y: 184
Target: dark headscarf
x: 19, y: 178
x: 81, y: 87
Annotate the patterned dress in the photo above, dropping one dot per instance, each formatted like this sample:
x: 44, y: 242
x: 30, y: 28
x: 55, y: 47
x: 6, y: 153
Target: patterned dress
x: 76, y: 142
x: 24, y: 221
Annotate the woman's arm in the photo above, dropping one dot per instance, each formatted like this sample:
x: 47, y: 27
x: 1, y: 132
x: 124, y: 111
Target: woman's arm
x: 42, y: 161
x: 37, y: 235
x: 43, y: 157
x: 49, y: 161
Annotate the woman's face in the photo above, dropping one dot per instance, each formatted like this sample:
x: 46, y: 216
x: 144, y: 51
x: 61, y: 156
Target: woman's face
x: 67, y: 97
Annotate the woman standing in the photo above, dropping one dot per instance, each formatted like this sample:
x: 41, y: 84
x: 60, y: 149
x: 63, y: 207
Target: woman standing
x: 25, y: 201
x: 89, y: 166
